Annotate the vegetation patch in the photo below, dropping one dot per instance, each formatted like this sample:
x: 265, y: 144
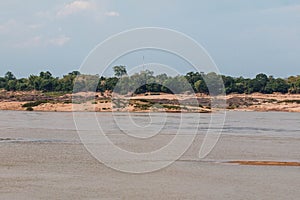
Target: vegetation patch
x: 33, y: 104
x: 144, y: 100
x: 231, y: 107
x: 269, y: 101
x: 291, y: 101
x: 172, y: 107
x: 143, y: 106
x: 54, y: 94
x: 53, y: 87
x: 29, y: 109
x: 104, y: 101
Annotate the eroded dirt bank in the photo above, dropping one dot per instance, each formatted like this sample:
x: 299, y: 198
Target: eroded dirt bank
x: 103, y: 102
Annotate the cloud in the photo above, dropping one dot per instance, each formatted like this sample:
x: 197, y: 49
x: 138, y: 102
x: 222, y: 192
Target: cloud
x: 39, y: 41
x: 58, y: 41
x: 14, y: 27
x: 32, y: 42
x: 34, y: 26
x: 44, y: 14
x: 75, y: 7
x: 112, y: 14
x: 90, y: 8
x: 8, y: 26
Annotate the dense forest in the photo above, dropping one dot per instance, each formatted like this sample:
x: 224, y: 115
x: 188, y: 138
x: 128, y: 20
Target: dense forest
x: 150, y: 83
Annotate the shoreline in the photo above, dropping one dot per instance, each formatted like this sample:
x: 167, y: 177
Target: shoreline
x: 181, y: 103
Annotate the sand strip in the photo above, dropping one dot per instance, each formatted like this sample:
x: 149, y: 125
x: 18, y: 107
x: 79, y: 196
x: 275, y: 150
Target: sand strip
x: 266, y: 163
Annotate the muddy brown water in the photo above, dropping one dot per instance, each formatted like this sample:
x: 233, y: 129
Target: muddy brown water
x: 42, y: 157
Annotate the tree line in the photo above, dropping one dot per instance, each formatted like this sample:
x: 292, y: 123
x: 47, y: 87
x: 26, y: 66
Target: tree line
x: 146, y: 81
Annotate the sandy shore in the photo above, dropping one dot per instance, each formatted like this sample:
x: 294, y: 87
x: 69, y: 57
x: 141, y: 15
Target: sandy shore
x: 146, y: 103
x: 266, y: 163
x: 265, y: 102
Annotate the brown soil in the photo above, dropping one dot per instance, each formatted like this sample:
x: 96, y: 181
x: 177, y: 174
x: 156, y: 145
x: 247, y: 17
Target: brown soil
x: 100, y: 102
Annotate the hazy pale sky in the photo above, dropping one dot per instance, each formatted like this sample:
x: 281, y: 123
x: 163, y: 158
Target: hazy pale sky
x: 244, y: 37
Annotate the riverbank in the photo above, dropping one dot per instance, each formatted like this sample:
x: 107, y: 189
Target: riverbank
x: 104, y: 102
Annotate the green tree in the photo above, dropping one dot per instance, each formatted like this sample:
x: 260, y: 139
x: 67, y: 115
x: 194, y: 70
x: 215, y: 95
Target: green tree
x: 9, y: 76
x: 66, y: 83
x: 3, y: 82
x: 110, y: 83
x: 214, y: 82
x: 229, y: 84
x: 35, y: 82
x: 84, y: 83
x: 23, y: 85
x: 120, y: 71
x: 193, y: 77
x: 201, y: 87
x: 46, y: 75
x: 258, y: 84
x: 11, y: 85
x: 277, y: 85
x: 178, y: 84
x: 294, y: 82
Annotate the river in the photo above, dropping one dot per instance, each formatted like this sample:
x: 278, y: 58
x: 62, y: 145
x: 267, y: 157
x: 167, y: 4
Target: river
x: 42, y: 156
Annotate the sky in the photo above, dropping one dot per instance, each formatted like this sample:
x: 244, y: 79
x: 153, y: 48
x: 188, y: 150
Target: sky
x: 243, y: 37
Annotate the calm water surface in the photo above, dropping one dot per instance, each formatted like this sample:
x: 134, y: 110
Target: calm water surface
x: 42, y: 157
x: 56, y: 126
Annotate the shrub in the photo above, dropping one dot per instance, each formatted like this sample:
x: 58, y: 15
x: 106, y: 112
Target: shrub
x: 290, y: 101
x: 29, y: 109
x: 33, y: 104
